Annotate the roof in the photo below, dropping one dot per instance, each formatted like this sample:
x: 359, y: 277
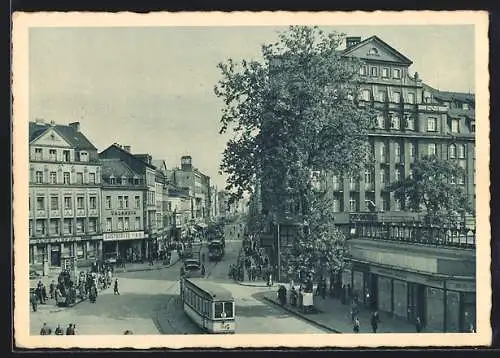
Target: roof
x: 389, y: 48
x: 215, y: 291
x: 75, y: 138
x: 457, y: 112
x: 115, y: 147
x: 115, y: 167
x: 158, y: 163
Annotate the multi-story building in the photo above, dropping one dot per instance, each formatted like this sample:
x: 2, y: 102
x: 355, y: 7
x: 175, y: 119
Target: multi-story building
x: 199, y: 189
x: 163, y: 215
x: 179, y: 204
x: 64, y: 195
x: 213, y: 203
x: 397, y: 263
x: 122, y: 215
x: 140, y: 163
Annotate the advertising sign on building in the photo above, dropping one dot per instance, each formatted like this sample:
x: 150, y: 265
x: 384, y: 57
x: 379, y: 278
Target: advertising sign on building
x: 118, y: 236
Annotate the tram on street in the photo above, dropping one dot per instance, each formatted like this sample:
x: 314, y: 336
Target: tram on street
x: 210, y: 306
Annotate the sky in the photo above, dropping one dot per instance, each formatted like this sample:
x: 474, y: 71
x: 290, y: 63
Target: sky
x: 152, y: 87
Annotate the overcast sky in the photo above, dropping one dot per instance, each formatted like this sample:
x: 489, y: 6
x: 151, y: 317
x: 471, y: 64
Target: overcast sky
x: 152, y: 88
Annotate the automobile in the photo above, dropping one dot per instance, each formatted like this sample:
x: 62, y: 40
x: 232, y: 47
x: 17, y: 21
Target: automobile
x: 193, y: 270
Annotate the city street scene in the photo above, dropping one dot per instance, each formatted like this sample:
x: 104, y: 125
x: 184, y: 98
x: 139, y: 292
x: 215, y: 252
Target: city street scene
x: 265, y: 180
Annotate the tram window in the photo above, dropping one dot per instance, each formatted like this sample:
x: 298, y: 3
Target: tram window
x: 228, y: 308
x: 218, y: 310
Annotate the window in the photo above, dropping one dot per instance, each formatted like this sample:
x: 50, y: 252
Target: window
x: 54, y: 227
x: 92, y: 202
x: 336, y: 205
x: 68, y: 226
x: 383, y: 176
x: 79, y: 178
x: 461, y: 180
x: 380, y: 121
x: 413, y: 151
x: 397, y: 174
x: 79, y: 203
x: 67, y: 203
x: 52, y: 155
x: 397, y: 152
x: 465, y: 106
x: 40, y: 203
x: 54, y: 203
x: 336, y: 182
x: 455, y: 126
x: 137, y: 223
x: 91, y: 178
x: 411, y: 98
x: 352, y: 204
x: 473, y: 126
x: 120, y: 202
x: 39, y: 177
x: 66, y: 178
x: 460, y: 151
x: 125, y: 202
x: 396, y: 73
x: 40, y: 227
x: 410, y: 122
x: 385, y: 72
x: 383, y: 153
x: 66, y: 156
x: 397, y: 205
x: 431, y: 124
x: 108, y: 202
x: 362, y: 70
x: 427, y: 97
x: 452, y: 151
x: 381, y: 96
x: 374, y: 71
x: 218, y: 309
x: 84, y: 156
x: 353, y: 183
x: 112, y: 180
x: 368, y: 176
x: 38, y: 154
x: 79, y: 226
x: 137, y: 201
x: 126, y: 225
x: 383, y: 203
x: 108, y: 224
x: 53, y: 178
x: 365, y: 95
x: 120, y: 224
x: 431, y: 149
x: 395, y: 122
x: 396, y: 97
x: 92, y: 225
x: 228, y: 309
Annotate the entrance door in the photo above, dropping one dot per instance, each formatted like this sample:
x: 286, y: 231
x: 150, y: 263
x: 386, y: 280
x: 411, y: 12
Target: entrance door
x: 373, y: 291
x: 416, y: 301
x: 55, y: 258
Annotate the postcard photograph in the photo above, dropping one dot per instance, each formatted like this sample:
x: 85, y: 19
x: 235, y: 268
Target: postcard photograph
x: 251, y: 180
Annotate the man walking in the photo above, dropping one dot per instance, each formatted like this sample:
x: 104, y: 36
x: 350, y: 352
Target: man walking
x: 116, y: 292
x: 356, y: 325
x: 374, y: 320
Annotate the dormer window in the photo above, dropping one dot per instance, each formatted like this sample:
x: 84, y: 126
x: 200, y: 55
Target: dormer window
x: 84, y: 156
x: 465, y: 106
x: 396, y: 73
x: 362, y: 70
x: 124, y: 180
x: 112, y: 180
x: 427, y: 97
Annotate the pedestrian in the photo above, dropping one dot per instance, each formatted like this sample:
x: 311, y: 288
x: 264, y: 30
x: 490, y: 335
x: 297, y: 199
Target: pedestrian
x: 33, y: 301
x: 70, y: 331
x: 356, y: 325
x: 52, y: 289
x: 374, y: 320
x: 418, y: 325
x: 116, y: 292
x: 46, y: 330
x: 59, y: 331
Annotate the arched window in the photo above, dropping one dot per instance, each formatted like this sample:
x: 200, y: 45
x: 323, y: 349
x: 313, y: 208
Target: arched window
x: 383, y: 153
x: 461, y: 151
x: 395, y: 122
x: 453, y: 151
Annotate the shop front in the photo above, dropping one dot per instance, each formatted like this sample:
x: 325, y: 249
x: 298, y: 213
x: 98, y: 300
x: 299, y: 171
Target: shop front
x: 129, y: 245
x: 86, y: 249
x: 443, y: 304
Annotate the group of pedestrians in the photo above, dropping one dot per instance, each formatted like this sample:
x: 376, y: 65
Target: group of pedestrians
x: 47, y: 331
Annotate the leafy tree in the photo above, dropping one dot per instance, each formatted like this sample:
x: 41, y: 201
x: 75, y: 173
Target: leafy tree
x: 292, y: 113
x: 432, y: 188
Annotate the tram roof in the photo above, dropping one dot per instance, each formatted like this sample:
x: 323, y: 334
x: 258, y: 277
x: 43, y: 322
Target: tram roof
x: 215, y: 291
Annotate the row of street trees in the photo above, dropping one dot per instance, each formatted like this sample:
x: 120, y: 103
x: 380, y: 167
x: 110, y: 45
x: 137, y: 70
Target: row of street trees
x: 293, y: 114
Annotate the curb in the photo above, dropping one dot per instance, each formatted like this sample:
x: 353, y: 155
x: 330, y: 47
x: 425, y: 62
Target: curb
x: 250, y: 285
x: 155, y: 268
x: 304, y: 317
x: 136, y: 270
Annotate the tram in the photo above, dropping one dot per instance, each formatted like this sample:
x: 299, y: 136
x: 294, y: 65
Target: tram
x: 210, y: 306
x: 215, y: 250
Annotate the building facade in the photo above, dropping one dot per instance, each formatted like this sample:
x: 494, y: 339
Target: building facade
x: 122, y: 215
x: 140, y: 163
x: 64, y: 195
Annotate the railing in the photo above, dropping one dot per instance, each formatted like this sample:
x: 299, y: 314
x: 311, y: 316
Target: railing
x: 416, y: 234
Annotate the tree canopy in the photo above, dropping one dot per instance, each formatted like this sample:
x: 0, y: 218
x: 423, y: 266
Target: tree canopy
x: 434, y: 187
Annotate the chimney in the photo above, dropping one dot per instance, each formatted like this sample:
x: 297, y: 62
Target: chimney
x: 52, y: 123
x: 75, y: 126
x: 126, y: 148
x: 39, y: 120
x: 352, y: 41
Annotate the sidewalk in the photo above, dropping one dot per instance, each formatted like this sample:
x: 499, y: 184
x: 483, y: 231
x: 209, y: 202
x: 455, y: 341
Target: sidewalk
x: 54, y: 273
x: 336, y: 317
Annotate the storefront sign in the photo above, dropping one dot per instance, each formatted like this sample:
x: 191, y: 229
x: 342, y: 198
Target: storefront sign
x: 431, y: 108
x: 54, y: 240
x: 117, y: 236
x: 408, y: 277
x: 123, y: 212
x: 461, y: 286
